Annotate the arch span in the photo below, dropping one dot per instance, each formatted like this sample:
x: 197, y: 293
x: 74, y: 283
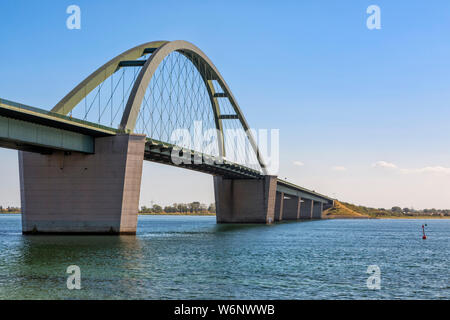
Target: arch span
x: 159, y: 51
x: 66, y: 105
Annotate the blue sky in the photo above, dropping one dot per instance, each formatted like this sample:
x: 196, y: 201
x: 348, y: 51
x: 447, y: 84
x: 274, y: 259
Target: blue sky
x: 365, y: 111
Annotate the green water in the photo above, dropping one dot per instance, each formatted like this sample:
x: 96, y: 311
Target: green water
x: 177, y: 257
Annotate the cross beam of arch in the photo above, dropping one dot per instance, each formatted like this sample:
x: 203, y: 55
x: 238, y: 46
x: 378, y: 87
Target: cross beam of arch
x: 159, y: 51
x: 66, y: 105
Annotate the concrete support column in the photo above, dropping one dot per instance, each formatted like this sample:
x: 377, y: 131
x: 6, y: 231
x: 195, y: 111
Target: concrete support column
x: 317, y: 210
x: 279, y: 202
x: 77, y: 193
x: 306, y: 209
x: 291, y: 209
x: 245, y: 200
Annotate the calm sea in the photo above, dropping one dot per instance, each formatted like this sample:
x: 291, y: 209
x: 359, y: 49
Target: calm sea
x: 176, y: 257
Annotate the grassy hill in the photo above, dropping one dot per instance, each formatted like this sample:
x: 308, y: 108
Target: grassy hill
x: 341, y: 210
x: 348, y: 210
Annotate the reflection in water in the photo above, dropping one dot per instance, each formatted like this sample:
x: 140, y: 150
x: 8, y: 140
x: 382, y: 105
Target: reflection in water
x: 42, y: 262
x: 218, y: 228
x: 193, y: 258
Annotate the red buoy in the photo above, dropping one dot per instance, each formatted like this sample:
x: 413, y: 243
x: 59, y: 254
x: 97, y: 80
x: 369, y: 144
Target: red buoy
x: 423, y: 231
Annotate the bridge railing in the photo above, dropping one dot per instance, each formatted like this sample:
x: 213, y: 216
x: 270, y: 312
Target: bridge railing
x: 195, y: 159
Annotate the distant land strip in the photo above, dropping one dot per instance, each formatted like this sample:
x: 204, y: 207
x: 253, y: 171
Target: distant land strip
x: 340, y: 210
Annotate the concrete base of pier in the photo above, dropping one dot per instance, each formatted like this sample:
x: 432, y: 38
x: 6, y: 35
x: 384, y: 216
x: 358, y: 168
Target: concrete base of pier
x: 306, y: 209
x: 317, y: 210
x: 245, y: 200
x: 291, y: 208
x: 77, y: 193
x: 279, y: 204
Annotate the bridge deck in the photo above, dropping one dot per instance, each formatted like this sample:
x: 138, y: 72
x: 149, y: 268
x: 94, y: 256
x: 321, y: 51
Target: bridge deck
x: 23, y: 112
x: 155, y: 151
x: 289, y: 188
x: 161, y: 152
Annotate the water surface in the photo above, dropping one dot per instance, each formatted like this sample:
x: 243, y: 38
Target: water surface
x: 178, y: 257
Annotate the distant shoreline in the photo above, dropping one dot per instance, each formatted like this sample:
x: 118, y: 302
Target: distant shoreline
x: 411, y: 217
x: 150, y: 214
x: 177, y: 214
x: 342, y: 210
x: 384, y: 218
x: 323, y: 218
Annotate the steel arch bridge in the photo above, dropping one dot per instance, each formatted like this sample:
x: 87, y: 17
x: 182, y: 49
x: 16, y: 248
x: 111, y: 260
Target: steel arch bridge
x: 148, y: 93
x: 170, y: 86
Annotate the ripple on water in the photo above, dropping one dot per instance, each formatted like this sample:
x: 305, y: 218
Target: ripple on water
x: 193, y: 258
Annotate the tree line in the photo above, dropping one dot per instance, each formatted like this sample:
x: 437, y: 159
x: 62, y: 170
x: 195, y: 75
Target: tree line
x: 9, y: 209
x: 424, y: 212
x: 186, y: 208
x: 397, y: 211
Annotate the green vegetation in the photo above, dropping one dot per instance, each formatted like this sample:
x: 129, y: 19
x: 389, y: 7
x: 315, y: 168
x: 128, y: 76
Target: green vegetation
x: 343, y: 209
x: 339, y: 210
x: 193, y: 208
x: 9, y: 210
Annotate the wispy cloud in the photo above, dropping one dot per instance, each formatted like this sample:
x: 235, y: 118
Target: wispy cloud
x: 384, y: 164
x: 433, y: 170
x: 430, y: 169
x: 338, y: 168
x: 298, y: 163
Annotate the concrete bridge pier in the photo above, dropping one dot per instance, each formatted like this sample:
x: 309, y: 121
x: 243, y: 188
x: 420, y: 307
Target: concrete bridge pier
x: 245, y: 200
x: 317, y: 210
x: 75, y: 193
x: 306, y: 209
x: 291, y: 208
x: 279, y: 204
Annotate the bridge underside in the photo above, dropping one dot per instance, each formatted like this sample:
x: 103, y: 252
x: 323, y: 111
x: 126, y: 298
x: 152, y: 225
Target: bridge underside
x: 27, y: 136
x: 31, y: 129
x: 163, y: 153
